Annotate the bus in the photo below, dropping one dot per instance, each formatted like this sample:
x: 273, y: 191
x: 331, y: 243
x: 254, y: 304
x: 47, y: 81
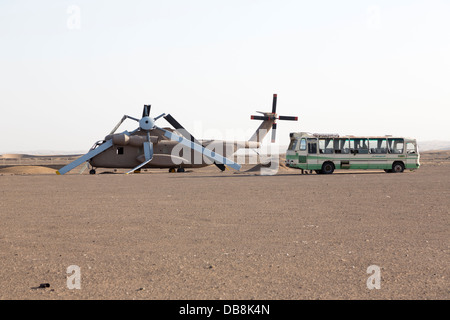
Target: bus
x: 324, y: 153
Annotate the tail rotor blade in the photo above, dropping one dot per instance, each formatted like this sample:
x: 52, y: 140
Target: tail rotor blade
x: 259, y: 118
x: 289, y: 118
x: 274, y: 103
x: 274, y: 132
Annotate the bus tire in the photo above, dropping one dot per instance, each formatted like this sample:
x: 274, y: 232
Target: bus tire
x: 398, y: 167
x: 327, y: 168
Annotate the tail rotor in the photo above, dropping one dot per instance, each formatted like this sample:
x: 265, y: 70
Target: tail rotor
x: 273, y: 117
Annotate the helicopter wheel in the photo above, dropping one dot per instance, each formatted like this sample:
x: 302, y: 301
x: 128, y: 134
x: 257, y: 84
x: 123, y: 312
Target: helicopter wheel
x: 92, y: 171
x: 172, y: 170
x: 180, y: 170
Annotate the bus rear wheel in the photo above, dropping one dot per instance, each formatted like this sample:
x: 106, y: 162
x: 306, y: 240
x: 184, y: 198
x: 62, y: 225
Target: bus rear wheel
x: 327, y: 168
x: 398, y: 167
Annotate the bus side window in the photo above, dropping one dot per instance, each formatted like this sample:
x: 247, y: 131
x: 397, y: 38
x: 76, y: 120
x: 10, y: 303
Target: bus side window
x: 395, y: 146
x: 359, y: 145
x: 341, y: 146
x: 353, y: 148
x: 363, y: 146
x: 312, y: 147
x: 377, y: 146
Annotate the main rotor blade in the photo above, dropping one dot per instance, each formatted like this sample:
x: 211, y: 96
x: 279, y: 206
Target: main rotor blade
x: 121, y: 121
x: 146, y: 111
x: 139, y: 166
x: 148, y: 148
x: 288, y: 118
x: 187, y: 135
x: 106, y: 145
x: 196, y: 147
x: 274, y: 103
x: 221, y: 166
x: 180, y: 128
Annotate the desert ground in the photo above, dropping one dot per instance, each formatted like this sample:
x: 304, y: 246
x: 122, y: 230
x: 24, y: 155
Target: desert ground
x: 206, y: 234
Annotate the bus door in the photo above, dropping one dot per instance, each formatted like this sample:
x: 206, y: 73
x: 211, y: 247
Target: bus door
x: 302, y: 151
x: 312, y: 154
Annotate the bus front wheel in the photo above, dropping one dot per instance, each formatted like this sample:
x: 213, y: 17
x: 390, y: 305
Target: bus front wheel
x: 327, y: 168
x: 398, y: 167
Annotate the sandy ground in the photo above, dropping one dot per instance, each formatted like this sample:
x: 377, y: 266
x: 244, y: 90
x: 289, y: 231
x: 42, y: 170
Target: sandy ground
x: 204, y: 234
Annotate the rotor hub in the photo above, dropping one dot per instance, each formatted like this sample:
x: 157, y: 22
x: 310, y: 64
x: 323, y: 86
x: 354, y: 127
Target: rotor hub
x: 146, y: 123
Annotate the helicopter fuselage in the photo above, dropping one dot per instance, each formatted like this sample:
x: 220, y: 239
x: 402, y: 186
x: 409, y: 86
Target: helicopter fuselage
x: 127, y: 157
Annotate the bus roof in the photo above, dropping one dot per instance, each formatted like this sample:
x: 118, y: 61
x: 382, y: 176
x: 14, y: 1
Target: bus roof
x: 337, y: 136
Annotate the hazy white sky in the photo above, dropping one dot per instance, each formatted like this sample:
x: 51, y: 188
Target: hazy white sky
x: 69, y: 70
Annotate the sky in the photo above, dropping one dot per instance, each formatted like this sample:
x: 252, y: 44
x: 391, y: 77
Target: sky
x: 69, y: 70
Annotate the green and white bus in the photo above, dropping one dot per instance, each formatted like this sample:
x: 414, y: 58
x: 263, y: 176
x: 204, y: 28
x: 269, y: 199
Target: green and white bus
x: 324, y: 153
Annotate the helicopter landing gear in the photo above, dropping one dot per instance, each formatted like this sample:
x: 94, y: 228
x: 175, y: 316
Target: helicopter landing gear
x: 180, y: 170
x: 92, y: 171
x: 172, y: 170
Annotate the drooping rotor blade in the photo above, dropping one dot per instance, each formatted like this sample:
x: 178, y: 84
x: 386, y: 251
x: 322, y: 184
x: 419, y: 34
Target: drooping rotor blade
x: 196, y: 147
x: 148, y: 148
x: 221, y: 166
x: 106, y: 145
x: 274, y: 103
x: 188, y: 136
x: 259, y: 118
x: 139, y: 166
x: 289, y: 118
x: 148, y: 153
